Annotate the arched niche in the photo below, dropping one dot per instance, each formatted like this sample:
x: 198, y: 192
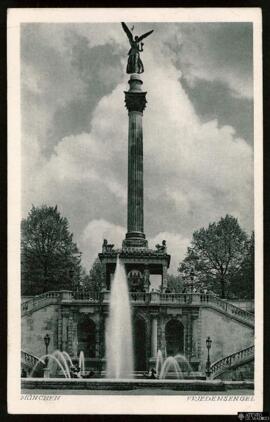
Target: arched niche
x: 140, y: 344
x: 174, y: 334
x: 86, y: 333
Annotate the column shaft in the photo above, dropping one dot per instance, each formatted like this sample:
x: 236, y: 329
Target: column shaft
x: 135, y: 173
x: 135, y: 102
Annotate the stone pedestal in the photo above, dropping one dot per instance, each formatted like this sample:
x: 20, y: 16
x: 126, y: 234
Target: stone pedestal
x: 46, y: 373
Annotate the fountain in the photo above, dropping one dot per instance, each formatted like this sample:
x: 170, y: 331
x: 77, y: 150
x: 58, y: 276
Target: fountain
x: 159, y: 362
x: 54, y: 363
x: 184, y: 364
x: 60, y: 361
x: 119, y: 344
x: 170, y: 364
x: 174, y: 372
x: 171, y: 367
x: 82, y: 362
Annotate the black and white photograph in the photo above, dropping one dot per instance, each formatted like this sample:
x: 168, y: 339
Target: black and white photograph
x: 135, y: 211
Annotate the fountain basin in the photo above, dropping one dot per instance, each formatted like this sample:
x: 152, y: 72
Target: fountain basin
x: 132, y: 384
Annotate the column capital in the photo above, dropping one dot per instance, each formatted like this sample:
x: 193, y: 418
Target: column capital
x: 135, y: 101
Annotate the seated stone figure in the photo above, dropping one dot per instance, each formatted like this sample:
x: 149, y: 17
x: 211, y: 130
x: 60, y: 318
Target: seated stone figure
x: 106, y: 247
x: 162, y: 247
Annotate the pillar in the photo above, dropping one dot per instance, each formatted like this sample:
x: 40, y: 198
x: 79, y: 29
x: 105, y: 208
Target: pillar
x: 59, y: 330
x: 154, y: 337
x: 98, y: 327
x: 164, y: 278
x: 75, y: 335
x: 188, y: 336
x: 70, y: 334
x: 65, y: 315
x: 163, y: 346
x: 146, y: 283
x: 135, y: 102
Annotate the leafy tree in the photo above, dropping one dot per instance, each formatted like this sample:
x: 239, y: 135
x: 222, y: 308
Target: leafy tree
x: 175, y: 283
x: 242, y: 285
x: 97, y: 277
x: 216, y: 254
x: 50, y: 260
x: 95, y: 280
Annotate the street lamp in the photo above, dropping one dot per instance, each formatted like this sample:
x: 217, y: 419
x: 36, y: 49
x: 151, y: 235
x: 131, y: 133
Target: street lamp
x: 47, y: 340
x: 208, y: 363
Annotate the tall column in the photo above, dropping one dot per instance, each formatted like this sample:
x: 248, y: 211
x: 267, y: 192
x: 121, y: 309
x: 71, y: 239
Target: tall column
x: 135, y: 102
x: 154, y: 337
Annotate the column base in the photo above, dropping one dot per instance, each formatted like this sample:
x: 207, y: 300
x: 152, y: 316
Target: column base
x: 135, y: 239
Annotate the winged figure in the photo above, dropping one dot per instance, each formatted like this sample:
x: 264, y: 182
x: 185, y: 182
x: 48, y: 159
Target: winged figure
x: 134, y: 64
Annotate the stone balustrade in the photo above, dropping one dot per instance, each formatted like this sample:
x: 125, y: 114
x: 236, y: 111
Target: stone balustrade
x: 44, y: 299
x: 140, y: 297
x: 91, y: 297
x: 155, y: 297
x: 232, y: 360
x: 28, y: 359
x: 226, y: 307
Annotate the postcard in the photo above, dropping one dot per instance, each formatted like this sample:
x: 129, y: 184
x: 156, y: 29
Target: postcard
x: 135, y: 211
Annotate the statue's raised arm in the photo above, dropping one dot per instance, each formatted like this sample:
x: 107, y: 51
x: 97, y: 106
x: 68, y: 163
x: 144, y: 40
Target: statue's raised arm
x: 134, y: 64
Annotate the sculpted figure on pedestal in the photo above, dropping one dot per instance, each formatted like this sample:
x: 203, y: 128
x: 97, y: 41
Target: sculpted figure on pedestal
x: 162, y: 247
x: 106, y: 247
x: 134, y: 64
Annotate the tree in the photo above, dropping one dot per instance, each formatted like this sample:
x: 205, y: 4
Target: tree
x: 216, y: 254
x: 242, y: 285
x: 97, y: 277
x: 50, y: 260
x: 95, y: 280
x: 175, y: 283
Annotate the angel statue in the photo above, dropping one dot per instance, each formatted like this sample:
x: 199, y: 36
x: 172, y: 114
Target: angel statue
x: 134, y: 64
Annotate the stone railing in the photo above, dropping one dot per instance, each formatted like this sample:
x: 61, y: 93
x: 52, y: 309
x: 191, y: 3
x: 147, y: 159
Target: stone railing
x: 42, y: 300
x: 140, y: 297
x: 157, y: 298
x: 195, y: 299
x: 183, y: 298
x: 87, y: 296
x: 227, y: 307
x: 235, y: 359
x: 28, y: 359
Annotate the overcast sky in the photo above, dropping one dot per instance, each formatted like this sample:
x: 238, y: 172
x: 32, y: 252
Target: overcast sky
x: 198, y: 128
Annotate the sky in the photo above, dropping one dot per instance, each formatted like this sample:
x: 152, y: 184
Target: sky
x: 198, y: 128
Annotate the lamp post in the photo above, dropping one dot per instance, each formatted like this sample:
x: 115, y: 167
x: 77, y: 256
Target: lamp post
x: 47, y: 340
x: 208, y: 363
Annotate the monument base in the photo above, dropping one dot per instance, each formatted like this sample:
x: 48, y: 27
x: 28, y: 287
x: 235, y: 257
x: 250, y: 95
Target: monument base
x: 135, y: 239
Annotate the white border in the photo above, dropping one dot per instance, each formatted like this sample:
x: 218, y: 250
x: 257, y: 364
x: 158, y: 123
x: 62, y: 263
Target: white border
x: 98, y: 404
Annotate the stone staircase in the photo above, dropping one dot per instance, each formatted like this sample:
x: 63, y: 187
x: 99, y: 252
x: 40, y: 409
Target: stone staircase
x: 45, y: 299
x: 232, y: 361
x: 28, y: 360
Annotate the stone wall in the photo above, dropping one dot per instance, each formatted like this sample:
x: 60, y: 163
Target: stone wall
x: 228, y: 335
x: 35, y: 326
